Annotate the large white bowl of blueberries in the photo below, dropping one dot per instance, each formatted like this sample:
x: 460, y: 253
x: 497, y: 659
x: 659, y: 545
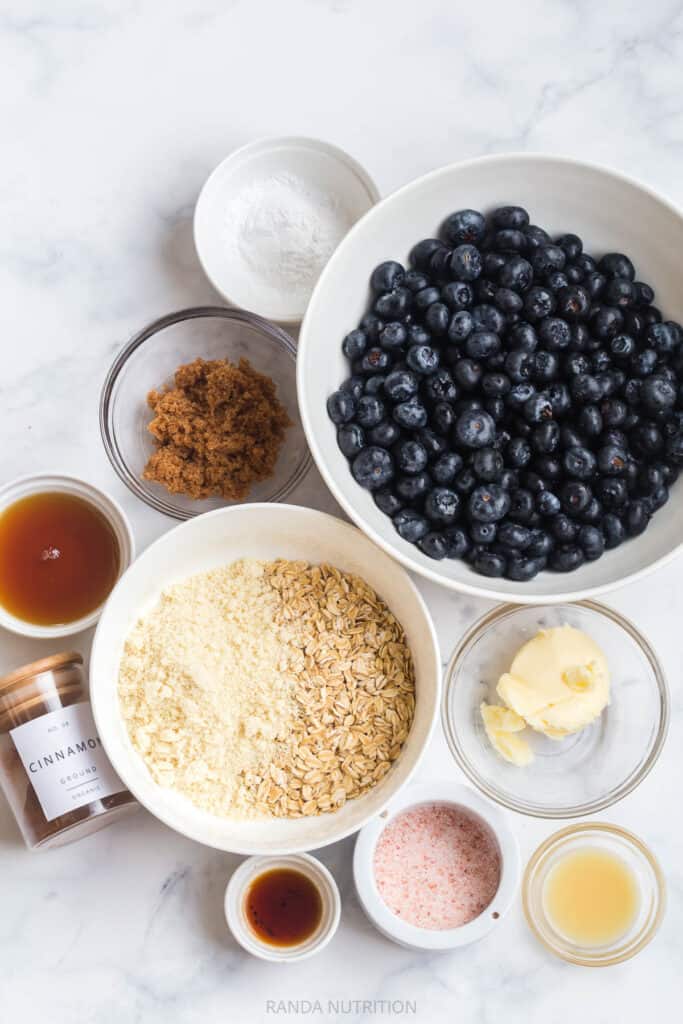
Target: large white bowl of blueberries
x: 490, y: 377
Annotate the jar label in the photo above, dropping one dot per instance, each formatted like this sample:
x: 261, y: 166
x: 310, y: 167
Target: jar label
x: 65, y: 761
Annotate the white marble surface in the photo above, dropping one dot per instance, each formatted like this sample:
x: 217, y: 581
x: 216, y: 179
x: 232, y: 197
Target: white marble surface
x: 113, y: 113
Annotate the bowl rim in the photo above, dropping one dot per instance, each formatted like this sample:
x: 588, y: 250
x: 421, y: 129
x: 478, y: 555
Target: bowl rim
x: 570, y: 832
x: 45, y: 482
x: 451, y: 794
x: 265, y: 144
x: 349, y: 507
x: 249, y: 848
x: 107, y: 430
x: 635, y: 777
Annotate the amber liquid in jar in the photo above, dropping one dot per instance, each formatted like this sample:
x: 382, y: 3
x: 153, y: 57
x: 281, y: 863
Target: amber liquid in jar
x: 284, y: 907
x: 59, y: 558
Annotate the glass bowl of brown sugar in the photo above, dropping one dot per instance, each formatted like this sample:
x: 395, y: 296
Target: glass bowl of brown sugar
x: 199, y: 411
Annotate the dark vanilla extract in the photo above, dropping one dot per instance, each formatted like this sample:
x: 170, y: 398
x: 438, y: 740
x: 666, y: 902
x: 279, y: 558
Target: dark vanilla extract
x: 284, y: 907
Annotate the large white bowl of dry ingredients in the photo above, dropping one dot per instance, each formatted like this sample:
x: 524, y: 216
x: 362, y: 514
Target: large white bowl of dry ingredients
x: 236, y: 681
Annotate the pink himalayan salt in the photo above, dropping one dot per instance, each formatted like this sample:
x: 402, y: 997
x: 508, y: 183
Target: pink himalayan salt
x: 437, y: 866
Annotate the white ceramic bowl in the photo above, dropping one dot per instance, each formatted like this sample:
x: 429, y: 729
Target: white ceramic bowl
x: 40, y: 483
x: 218, y: 538
x: 404, y: 933
x: 236, y: 917
x: 318, y: 164
x: 610, y: 212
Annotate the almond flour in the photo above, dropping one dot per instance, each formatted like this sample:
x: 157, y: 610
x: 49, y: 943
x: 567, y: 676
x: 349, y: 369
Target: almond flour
x: 268, y: 689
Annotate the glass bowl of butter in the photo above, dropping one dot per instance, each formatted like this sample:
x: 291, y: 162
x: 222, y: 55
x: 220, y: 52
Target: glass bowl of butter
x: 555, y: 711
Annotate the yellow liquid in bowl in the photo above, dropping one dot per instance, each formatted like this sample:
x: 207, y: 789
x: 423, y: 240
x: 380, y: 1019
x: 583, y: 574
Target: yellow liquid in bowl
x: 591, y: 897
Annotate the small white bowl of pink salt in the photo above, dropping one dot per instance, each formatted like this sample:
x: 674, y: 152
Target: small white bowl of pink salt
x: 438, y: 868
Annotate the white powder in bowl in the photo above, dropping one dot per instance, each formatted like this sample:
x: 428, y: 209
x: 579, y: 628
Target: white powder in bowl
x: 283, y: 230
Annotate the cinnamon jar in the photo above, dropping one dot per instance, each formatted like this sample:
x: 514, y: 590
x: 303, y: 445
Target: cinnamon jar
x: 53, y: 768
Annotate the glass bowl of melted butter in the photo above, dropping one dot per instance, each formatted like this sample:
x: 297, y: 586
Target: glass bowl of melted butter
x: 555, y: 711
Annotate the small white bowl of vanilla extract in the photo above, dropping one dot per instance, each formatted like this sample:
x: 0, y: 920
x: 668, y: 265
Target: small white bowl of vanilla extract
x: 282, y: 909
x: 63, y: 545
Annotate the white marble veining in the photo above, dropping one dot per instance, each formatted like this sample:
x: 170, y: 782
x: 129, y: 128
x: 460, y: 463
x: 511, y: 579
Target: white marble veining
x: 113, y: 113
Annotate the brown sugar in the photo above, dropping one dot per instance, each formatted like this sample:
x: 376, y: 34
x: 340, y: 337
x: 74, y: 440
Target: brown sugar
x: 218, y: 430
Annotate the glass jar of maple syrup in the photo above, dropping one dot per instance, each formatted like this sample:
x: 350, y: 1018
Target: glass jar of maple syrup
x: 63, y: 545
x: 53, y: 768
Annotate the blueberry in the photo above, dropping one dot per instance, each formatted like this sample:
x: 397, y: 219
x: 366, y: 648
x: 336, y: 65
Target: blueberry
x: 579, y: 462
x: 571, y: 245
x: 607, y: 322
x: 585, y: 388
x: 589, y: 421
x: 426, y: 297
x: 393, y: 335
x: 393, y: 305
x: 615, y: 264
x: 557, y: 280
x: 517, y: 274
x: 341, y: 406
x: 619, y: 292
x: 513, y: 535
x: 537, y: 408
x: 563, y: 528
x: 631, y: 391
x: 591, y: 541
x: 482, y: 344
x: 521, y: 568
x: 440, y: 387
x: 410, y: 525
x: 460, y: 326
x: 374, y: 384
x: 519, y: 365
x: 355, y: 344
x: 566, y: 558
x: 488, y: 503
x: 613, y: 411
x: 411, y: 488
x: 464, y: 226
x: 409, y: 456
x: 484, y: 290
x: 351, y: 439
x: 466, y: 262
x: 457, y: 543
x: 536, y: 236
x: 445, y: 468
x: 370, y: 411
x: 487, y: 563
x: 646, y: 439
x: 495, y: 385
x: 373, y: 467
x: 573, y: 302
x: 493, y: 264
x: 415, y: 281
x: 613, y: 530
x: 400, y: 385
x: 443, y: 417
x: 508, y: 301
x: 538, y: 303
x: 575, y: 496
x: 510, y: 240
x: 465, y: 481
x: 434, y: 545
x: 559, y: 398
x: 555, y: 333
x: 386, y: 276
x: 541, y: 544
x: 547, y: 258
x: 431, y: 441
x: 593, y: 512
x: 674, y: 449
x: 421, y: 254
x: 457, y: 295
x: 545, y: 438
x: 442, y: 506
x: 385, y: 434
x: 657, y: 499
x: 510, y: 217
x: 487, y: 318
x: 386, y: 501
x: 475, y: 429
x: 374, y: 361
x: 354, y: 385
x: 372, y: 325
x: 422, y: 359
x: 546, y: 366
x: 657, y: 394
x: 612, y: 460
x: 548, y: 468
x: 518, y: 452
x: 548, y: 503
x: 410, y: 414
x: 437, y: 317
x: 637, y: 517
x: 487, y: 463
x: 483, y: 533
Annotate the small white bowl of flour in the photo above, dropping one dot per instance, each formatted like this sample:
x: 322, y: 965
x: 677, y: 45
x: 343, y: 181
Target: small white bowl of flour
x: 271, y: 215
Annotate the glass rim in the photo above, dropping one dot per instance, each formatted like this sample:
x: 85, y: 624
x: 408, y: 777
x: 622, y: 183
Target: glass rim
x: 560, y: 837
x: 626, y: 786
x: 108, y: 433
